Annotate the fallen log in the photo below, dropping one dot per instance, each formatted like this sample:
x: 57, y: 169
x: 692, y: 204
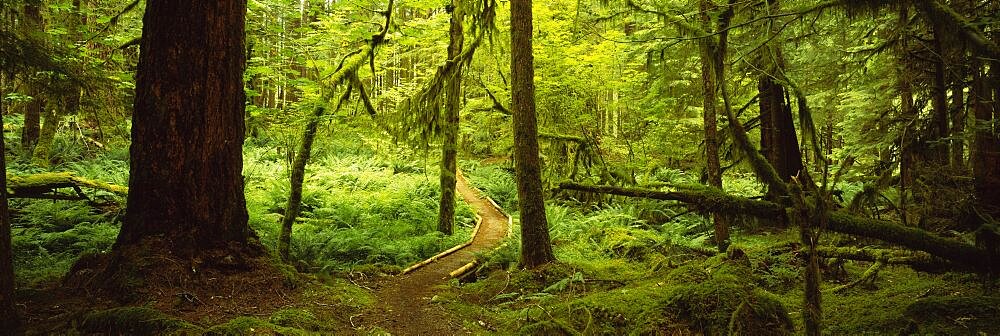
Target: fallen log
x: 703, y: 199
x: 706, y: 199
x: 917, y: 260
x: 44, y: 185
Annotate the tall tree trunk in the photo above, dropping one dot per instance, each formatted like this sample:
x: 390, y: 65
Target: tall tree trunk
x: 9, y: 320
x: 53, y: 118
x: 187, y: 129
x: 32, y: 121
x: 33, y: 23
x: 710, y: 102
x: 907, y: 155
x: 986, y: 143
x: 778, y: 139
x: 536, y: 248
x: 957, y: 108
x: 449, y: 131
x: 938, y: 150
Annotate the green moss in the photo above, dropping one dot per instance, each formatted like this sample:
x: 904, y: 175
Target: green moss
x: 630, y: 243
x: 290, y: 277
x: 954, y: 315
x: 245, y: 325
x: 725, y: 303
x: 136, y: 321
x: 339, y: 292
x: 296, y: 318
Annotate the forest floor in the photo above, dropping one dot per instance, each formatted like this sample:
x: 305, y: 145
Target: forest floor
x: 404, y: 303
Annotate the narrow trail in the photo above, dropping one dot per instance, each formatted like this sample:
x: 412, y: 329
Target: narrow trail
x: 404, y: 302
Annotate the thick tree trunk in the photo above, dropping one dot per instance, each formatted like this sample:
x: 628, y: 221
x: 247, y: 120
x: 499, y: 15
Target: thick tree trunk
x: 938, y: 150
x: 9, y: 320
x: 536, y: 248
x: 33, y: 23
x: 986, y: 143
x: 188, y: 129
x: 53, y: 118
x: 32, y: 121
x: 710, y: 102
x: 778, y: 139
x: 449, y: 131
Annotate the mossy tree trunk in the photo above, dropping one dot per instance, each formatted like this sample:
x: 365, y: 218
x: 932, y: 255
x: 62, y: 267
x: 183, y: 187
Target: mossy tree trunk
x: 347, y: 73
x: 908, y: 157
x: 32, y: 121
x: 186, y: 183
x: 9, y: 320
x: 53, y: 118
x: 708, y: 51
x: 33, y: 109
x: 536, y: 248
x: 294, y: 204
x: 449, y: 130
x: 938, y: 127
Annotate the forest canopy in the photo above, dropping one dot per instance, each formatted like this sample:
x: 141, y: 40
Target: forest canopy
x: 514, y: 167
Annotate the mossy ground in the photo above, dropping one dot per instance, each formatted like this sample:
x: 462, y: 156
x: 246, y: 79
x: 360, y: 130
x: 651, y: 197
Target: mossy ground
x: 319, y: 308
x: 635, y: 280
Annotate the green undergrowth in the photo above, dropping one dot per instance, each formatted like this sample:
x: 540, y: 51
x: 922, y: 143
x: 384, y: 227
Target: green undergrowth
x: 364, y: 208
x: 360, y: 209
x: 496, y: 182
x: 622, y: 272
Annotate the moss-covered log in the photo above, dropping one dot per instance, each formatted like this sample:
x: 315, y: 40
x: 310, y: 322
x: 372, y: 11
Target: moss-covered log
x: 706, y: 199
x: 703, y: 199
x: 42, y: 185
x: 910, y: 237
x: 918, y: 260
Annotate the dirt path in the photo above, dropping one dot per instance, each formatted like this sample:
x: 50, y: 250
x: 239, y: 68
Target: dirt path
x: 404, y: 302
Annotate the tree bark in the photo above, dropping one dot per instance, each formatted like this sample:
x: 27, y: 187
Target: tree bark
x: 938, y: 149
x: 188, y: 129
x: 709, y: 103
x: 33, y: 109
x: 9, y: 320
x: 986, y: 143
x: 778, y: 138
x: 907, y: 154
x: 53, y: 118
x: 536, y: 248
x: 957, y: 112
x: 449, y: 131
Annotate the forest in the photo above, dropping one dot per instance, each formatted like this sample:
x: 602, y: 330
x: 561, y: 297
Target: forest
x: 510, y: 167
